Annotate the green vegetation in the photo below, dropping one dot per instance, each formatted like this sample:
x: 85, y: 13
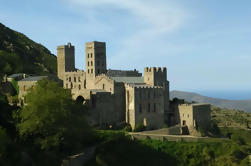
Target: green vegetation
x: 118, y: 148
x: 231, y: 118
x: 50, y: 127
x: 19, y: 54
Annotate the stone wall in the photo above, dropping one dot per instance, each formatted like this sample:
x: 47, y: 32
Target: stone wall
x: 145, y: 105
x: 195, y: 115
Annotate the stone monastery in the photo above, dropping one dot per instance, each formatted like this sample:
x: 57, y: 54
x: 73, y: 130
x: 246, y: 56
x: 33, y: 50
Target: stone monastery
x: 121, y: 96
x: 115, y: 96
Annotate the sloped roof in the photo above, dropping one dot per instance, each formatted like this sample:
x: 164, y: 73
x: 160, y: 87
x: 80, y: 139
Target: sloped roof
x: 15, y: 75
x: 129, y: 80
x: 34, y: 78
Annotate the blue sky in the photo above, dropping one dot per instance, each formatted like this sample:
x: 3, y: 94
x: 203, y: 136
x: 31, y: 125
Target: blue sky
x: 205, y: 45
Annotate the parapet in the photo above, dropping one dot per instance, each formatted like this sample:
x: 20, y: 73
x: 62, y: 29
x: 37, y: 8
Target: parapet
x: 155, y: 69
x: 69, y: 45
x: 94, y: 44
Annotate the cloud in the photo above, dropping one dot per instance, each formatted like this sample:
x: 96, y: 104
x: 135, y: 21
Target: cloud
x: 134, y: 28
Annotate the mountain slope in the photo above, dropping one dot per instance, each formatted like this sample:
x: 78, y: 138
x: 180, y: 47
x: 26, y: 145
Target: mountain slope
x: 244, y: 105
x: 19, y: 54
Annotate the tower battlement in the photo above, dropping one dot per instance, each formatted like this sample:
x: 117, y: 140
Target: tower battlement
x: 155, y: 69
x: 155, y: 76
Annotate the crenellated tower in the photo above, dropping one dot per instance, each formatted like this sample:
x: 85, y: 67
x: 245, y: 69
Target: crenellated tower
x: 65, y: 59
x: 155, y: 76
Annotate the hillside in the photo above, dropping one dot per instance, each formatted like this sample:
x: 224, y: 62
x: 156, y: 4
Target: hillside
x: 244, y: 105
x: 19, y: 54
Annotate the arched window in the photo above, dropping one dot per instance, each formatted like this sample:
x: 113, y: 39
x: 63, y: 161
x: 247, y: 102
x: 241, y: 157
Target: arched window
x: 79, y: 87
x: 91, y: 63
x: 88, y: 63
x: 103, y: 86
x: 80, y: 99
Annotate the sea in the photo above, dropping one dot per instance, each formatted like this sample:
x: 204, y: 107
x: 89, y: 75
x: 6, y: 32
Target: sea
x: 227, y: 94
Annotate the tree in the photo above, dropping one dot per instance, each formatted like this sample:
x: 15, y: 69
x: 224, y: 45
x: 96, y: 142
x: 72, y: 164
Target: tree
x: 52, y: 119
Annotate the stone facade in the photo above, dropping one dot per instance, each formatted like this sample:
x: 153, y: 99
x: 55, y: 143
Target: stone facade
x: 25, y: 84
x: 194, y: 115
x: 115, y: 96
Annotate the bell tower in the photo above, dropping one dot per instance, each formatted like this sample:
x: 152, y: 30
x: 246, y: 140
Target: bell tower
x: 95, y: 58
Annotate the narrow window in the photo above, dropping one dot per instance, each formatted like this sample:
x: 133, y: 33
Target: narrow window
x: 154, y: 107
x: 91, y: 55
x: 149, y: 107
x: 70, y: 79
x: 88, y: 55
x: 74, y: 79
x: 140, y: 108
x: 88, y: 71
x: 188, y: 115
x: 91, y: 70
x: 79, y: 79
x: 103, y: 86
x: 79, y: 87
x: 88, y: 63
x: 91, y: 63
x: 71, y: 85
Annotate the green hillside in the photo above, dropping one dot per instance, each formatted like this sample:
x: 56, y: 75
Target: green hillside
x: 19, y: 54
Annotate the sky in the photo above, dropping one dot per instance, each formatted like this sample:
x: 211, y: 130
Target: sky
x: 205, y: 45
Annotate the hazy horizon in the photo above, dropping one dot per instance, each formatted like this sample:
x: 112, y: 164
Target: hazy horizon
x: 222, y: 94
x: 203, y: 44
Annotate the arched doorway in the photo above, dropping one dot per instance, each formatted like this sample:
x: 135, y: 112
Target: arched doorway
x: 80, y: 100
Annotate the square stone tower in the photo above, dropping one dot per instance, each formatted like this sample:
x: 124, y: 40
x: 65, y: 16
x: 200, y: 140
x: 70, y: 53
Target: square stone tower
x: 95, y: 58
x: 155, y: 76
x: 65, y: 59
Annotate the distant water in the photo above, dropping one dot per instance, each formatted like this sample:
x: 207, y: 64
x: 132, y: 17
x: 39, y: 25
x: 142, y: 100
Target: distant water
x: 230, y: 95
